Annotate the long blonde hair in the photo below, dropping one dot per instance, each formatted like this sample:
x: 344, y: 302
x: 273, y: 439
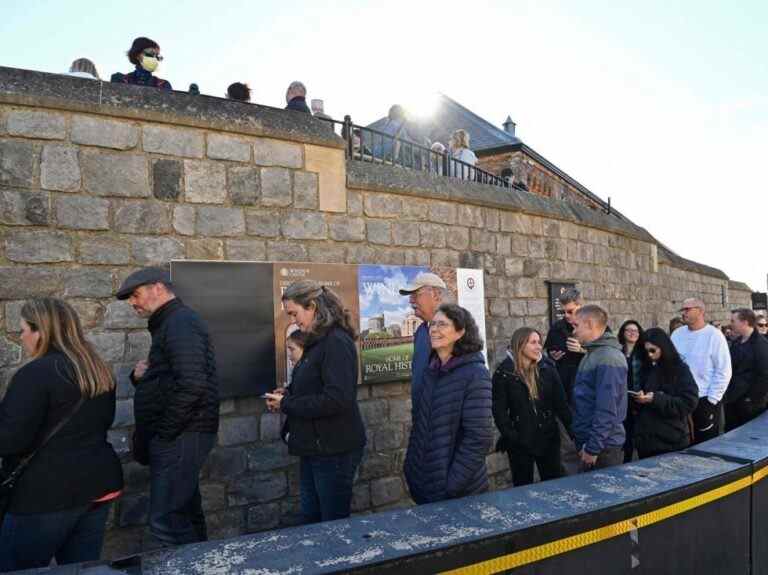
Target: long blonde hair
x: 530, y: 373
x: 59, y: 328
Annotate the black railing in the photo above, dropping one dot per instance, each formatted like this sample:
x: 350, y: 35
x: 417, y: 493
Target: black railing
x: 369, y: 145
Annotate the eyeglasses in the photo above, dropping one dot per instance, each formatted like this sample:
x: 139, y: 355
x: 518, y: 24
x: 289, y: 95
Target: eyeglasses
x: 151, y: 54
x: 439, y: 324
x: 688, y: 308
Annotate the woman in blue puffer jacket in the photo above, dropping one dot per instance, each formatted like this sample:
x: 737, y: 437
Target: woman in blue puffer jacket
x: 452, y: 428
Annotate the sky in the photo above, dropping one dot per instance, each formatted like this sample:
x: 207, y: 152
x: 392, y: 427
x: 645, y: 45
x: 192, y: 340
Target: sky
x: 659, y: 105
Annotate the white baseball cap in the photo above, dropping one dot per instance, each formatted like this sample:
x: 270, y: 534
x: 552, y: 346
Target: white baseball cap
x: 424, y: 279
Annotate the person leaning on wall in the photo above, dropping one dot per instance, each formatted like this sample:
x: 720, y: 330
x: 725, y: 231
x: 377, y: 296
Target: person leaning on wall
x: 324, y: 427
x: 144, y: 54
x: 59, y: 505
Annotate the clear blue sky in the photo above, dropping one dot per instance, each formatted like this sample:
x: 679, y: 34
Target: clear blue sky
x: 660, y: 105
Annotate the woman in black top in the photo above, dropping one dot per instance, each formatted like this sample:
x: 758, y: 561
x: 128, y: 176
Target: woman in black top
x: 60, y: 504
x: 528, y: 398
x: 667, y: 397
x: 324, y: 427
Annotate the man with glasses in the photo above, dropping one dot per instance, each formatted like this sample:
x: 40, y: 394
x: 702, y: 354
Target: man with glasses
x: 425, y: 294
x: 747, y: 393
x: 762, y: 325
x: 704, y: 348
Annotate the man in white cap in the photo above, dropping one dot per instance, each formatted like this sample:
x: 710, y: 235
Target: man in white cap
x: 425, y: 294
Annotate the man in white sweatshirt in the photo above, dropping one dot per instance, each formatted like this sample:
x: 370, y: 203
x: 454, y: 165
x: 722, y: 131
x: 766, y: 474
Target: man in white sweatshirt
x: 705, y: 350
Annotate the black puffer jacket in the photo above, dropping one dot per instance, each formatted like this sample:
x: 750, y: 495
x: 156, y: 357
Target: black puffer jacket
x: 179, y: 391
x: 321, y: 403
x: 750, y: 370
x: 662, y: 425
x: 529, y: 426
x: 568, y: 365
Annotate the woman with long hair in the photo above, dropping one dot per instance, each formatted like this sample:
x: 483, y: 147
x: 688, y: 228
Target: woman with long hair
x: 667, y: 397
x: 631, y: 337
x: 528, y: 399
x: 452, y: 430
x: 60, y: 503
x: 324, y: 427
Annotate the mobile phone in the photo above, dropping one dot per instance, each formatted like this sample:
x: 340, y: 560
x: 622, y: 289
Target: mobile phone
x: 634, y: 393
x: 263, y: 396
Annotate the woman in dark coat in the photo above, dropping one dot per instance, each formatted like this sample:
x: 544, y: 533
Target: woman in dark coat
x: 145, y: 55
x: 667, y: 397
x: 60, y: 504
x: 452, y: 431
x: 631, y: 339
x: 528, y: 398
x: 324, y: 426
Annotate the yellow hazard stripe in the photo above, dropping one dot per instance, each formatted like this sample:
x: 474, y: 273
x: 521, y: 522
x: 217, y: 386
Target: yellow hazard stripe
x: 540, y: 552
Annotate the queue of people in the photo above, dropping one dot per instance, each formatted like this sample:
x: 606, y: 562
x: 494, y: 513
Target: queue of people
x: 606, y: 397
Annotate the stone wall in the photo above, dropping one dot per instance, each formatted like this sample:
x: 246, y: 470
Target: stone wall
x: 97, y: 180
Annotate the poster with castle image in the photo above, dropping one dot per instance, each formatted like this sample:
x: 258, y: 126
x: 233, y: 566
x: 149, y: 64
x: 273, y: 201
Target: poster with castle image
x: 387, y: 320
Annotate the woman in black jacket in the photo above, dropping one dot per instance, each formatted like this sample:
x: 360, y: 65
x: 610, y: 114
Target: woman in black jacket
x: 667, y: 397
x: 60, y: 504
x: 528, y: 398
x: 324, y: 427
x: 631, y: 339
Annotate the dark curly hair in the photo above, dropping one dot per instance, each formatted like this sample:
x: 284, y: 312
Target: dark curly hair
x: 139, y: 45
x: 622, y: 333
x: 471, y: 341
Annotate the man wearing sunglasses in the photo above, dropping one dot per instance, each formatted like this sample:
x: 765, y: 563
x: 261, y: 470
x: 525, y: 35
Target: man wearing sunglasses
x: 704, y: 348
x: 762, y: 325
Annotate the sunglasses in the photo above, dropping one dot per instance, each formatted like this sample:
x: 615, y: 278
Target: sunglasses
x: 762, y: 325
x: 151, y: 54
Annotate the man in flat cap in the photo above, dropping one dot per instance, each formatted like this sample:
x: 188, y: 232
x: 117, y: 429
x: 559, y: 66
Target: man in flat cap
x: 176, y: 405
x: 425, y: 294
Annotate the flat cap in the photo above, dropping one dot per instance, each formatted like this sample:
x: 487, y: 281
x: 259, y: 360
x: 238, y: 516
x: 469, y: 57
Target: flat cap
x: 144, y: 276
x: 422, y: 280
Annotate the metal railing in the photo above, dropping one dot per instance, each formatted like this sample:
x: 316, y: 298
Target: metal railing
x: 369, y: 145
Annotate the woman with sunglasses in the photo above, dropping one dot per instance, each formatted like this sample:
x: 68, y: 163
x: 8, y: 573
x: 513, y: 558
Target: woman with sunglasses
x: 145, y: 55
x: 667, y: 397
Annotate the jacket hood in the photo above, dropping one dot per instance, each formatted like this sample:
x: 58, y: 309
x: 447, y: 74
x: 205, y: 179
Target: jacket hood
x: 605, y: 340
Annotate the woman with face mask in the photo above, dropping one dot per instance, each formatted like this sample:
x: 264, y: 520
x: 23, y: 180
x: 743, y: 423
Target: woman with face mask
x: 145, y: 55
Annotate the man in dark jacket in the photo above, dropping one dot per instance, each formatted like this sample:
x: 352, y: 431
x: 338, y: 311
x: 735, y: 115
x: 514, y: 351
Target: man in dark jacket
x: 296, y: 98
x: 599, y: 392
x: 176, y: 405
x: 747, y: 392
x: 561, y: 345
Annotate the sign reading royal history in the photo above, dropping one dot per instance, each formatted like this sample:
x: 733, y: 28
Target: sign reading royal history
x: 242, y: 303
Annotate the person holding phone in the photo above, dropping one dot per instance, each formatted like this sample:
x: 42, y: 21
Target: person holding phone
x: 324, y: 427
x: 667, y: 396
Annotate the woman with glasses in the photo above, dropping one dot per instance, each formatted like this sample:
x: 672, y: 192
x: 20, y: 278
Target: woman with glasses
x: 528, y: 399
x: 145, y: 55
x: 631, y: 337
x: 666, y: 399
x: 452, y: 430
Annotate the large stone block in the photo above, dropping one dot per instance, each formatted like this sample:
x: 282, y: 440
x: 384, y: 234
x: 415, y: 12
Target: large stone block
x: 389, y: 436
x: 10, y: 352
x: 327, y: 253
x: 269, y: 456
x: 137, y: 346
x: 82, y: 213
x: 379, y: 232
x: 17, y: 163
x: 120, y: 175
x: 226, y: 462
x: 123, y: 413
x: 173, y: 141
x: 262, y: 223
x: 142, y: 217
x: 23, y: 208
x: 38, y: 247
x: 104, y: 133
x: 400, y: 410
x: 383, y: 206
x: 354, y: 203
x: 276, y: 187
x: 215, y: 221
x: 100, y: 250
x: 246, y: 250
x: 442, y: 212
x: 330, y: 166
x: 482, y: 241
x: 432, y: 236
x: 417, y: 257
x: 386, y: 490
x: 305, y: 226
x: 415, y: 209
x: 206, y: 182
x: 457, y: 238
x: 471, y: 216
x: 24, y: 282
x: 37, y: 124
x: 238, y: 430
x: 259, y: 488
x: 267, y: 152
x: 244, y: 185
x: 286, y: 251
x: 205, y: 249
x: 270, y: 425
x: 59, y: 168
x: 87, y: 282
x: 225, y: 147
x: 305, y: 190
x: 405, y: 234
x: 156, y: 250
x: 263, y: 517
x: 120, y: 315
x: 376, y: 465
x: 184, y: 220
x: 109, y: 345
x: 346, y: 229
x: 167, y: 179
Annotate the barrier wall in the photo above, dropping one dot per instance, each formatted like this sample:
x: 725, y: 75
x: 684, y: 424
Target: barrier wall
x: 699, y: 511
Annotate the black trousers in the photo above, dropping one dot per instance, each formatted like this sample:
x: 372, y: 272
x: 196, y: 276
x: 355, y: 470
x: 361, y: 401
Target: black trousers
x: 521, y: 465
x: 706, y: 421
x: 741, y: 411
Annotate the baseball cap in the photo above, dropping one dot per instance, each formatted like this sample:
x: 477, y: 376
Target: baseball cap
x: 424, y: 279
x: 142, y: 277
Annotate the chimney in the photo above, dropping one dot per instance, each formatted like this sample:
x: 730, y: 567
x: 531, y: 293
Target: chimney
x: 509, y: 126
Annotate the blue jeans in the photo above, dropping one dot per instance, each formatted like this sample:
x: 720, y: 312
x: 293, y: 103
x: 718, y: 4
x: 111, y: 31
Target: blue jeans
x: 175, y: 506
x: 74, y: 535
x: 326, y: 485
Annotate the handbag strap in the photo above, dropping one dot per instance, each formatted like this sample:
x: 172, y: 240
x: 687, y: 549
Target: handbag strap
x: 19, y: 469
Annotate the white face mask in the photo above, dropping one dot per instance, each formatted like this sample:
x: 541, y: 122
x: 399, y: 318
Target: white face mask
x: 149, y: 64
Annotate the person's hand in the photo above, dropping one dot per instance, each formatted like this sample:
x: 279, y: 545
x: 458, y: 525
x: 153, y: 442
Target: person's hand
x: 642, y: 397
x: 556, y: 354
x: 273, y: 401
x: 140, y: 369
x: 574, y: 346
x: 587, y: 459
